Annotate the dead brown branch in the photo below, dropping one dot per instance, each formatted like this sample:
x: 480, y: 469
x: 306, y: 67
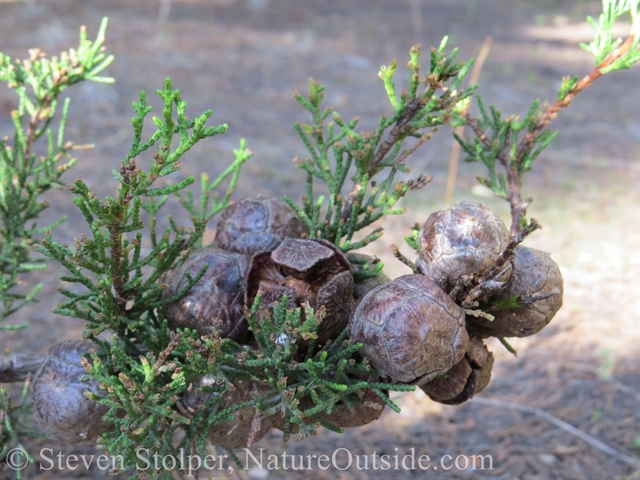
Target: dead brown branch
x: 594, y: 442
x: 455, y: 148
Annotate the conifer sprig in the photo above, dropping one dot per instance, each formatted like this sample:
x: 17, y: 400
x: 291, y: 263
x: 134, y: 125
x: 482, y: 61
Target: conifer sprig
x: 210, y: 203
x: 32, y: 161
x: 122, y: 285
x: 509, y: 146
x: 340, y: 156
x: 27, y: 172
x: 143, y: 392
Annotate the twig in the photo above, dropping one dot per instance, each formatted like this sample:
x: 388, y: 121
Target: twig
x: 518, y: 206
x: 491, y: 280
x: 351, y: 199
x: 42, y: 113
x: 455, y: 148
x: 512, y: 162
x: 17, y: 367
x: 513, y: 243
x: 398, y: 254
x: 551, y: 112
x: 633, y: 461
x: 409, y: 151
x: 479, y: 314
x: 400, y: 129
x: 477, y: 130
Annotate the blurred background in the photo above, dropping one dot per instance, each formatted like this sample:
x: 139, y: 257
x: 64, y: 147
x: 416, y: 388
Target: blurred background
x: 245, y: 58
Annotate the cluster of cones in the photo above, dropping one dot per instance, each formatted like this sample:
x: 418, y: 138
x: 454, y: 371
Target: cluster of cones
x: 416, y: 329
x: 427, y: 329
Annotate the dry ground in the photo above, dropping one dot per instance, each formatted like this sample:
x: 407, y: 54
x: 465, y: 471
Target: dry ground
x: 245, y: 58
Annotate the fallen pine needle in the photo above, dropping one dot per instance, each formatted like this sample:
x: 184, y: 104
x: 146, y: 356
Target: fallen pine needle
x: 635, y: 462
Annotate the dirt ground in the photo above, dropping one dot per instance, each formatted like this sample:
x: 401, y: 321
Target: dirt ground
x: 244, y: 59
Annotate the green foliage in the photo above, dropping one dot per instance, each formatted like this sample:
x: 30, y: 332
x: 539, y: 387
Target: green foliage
x: 210, y: 204
x: 413, y: 240
x: 27, y: 171
x: 143, y: 391
x: 123, y: 287
x: 144, y: 368
x: 366, y: 266
x: 338, y: 153
x: 13, y: 425
x: 26, y: 174
x: 508, y: 146
x: 603, y: 43
x: 505, y: 304
x: 498, y: 145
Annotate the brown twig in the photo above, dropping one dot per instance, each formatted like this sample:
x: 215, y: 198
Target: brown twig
x: 491, y: 280
x: 32, y: 129
x: 455, y: 148
x: 43, y: 111
x: 513, y: 243
x: 398, y: 254
x: 550, y: 112
x: 424, y: 138
x: 401, y: 128
x: 116, y: 262
x: 511, y: 165
x: 472, y: 123
x: 519, y: 207
x: 563, y: 425
x: 349, y: 202
x: 17, y: 367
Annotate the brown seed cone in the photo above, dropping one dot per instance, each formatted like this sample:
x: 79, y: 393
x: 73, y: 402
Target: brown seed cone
x: 255, y: 225
x: 470, y: 376
x: 311, y: 270
x: 247, y: 427
x: 58, y: 394
x: 411, y: 330
x: 534, y: 274
x: 463, y: 240
x: 368, y: 411
x: 280, y: 422
x: 363, y: 414
x: 215, y: 301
